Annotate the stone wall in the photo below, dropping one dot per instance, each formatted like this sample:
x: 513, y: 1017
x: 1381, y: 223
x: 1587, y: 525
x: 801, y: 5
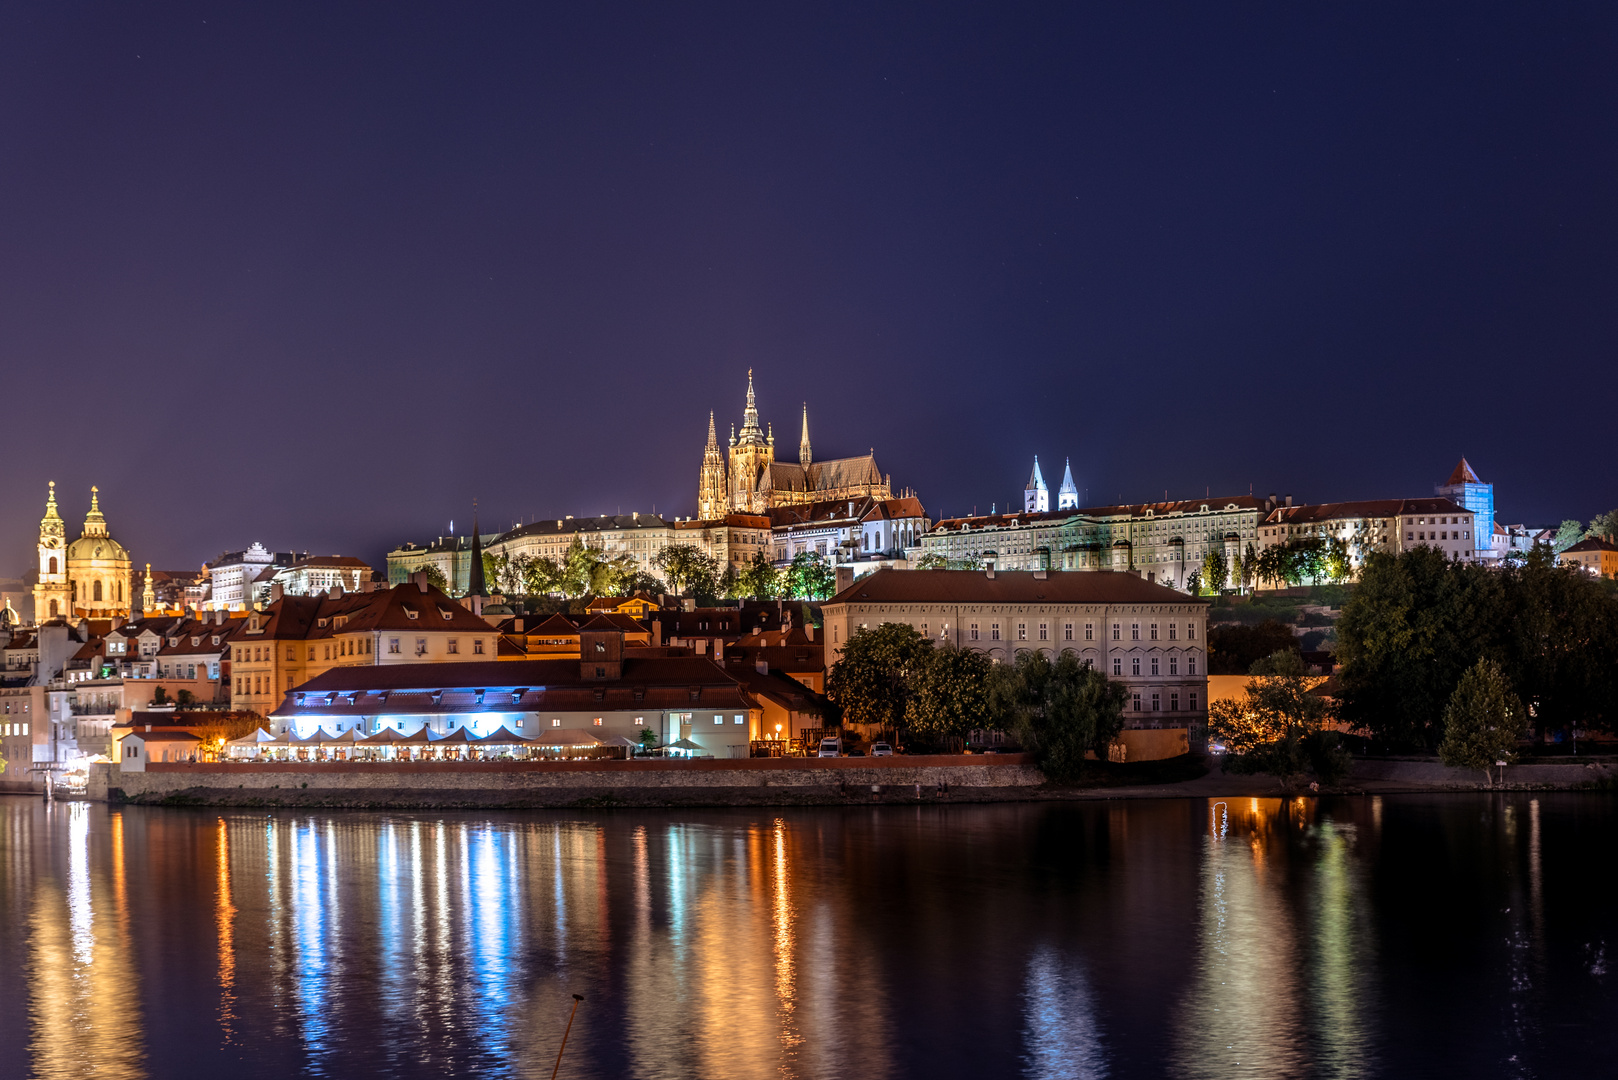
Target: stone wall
x: 425, y: 777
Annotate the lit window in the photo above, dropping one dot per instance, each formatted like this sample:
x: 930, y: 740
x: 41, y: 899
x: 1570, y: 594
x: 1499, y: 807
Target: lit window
x: 596, y: 721
x: 556, y: 722
x: 718, y: 719
x: 738, y: 719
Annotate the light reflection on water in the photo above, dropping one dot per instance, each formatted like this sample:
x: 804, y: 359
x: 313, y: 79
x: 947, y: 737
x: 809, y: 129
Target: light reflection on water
x: 1201, y: 940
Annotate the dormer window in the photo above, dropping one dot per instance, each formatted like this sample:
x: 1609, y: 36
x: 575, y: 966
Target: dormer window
x: 195, y: 642
x: 438, y: 696
x: 448, y: 615
x: 410, y: 613
x: 216, y: 639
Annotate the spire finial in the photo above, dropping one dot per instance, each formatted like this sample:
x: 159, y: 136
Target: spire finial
x: 804, y: 456
x: 713, y: 439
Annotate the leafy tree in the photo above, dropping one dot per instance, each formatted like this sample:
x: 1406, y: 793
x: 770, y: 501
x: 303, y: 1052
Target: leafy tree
x: 871, y: 682
x: 688, y: 569
x: 639, y: 581
x: 1570, y: 533
x: 496, y: 568
x: 1215, y: 569
x: 160, y: 696
x: 1058, y: 710
x: 215, y: 729
x: 810, y: 577
x: 540, y: 575
x: 1278, y: 726
x: 948, y: 693
x: 759, y: 580
x: 647, y: 738
x: 1193, y: 583
x: 1606, y: 525
x: 1339, y: 565
x: 1249, y: 566
x: 1482, y: 721
x: 435, y: 576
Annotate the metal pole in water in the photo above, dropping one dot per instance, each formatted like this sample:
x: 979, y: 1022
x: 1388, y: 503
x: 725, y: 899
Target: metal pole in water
x: 576, y: 999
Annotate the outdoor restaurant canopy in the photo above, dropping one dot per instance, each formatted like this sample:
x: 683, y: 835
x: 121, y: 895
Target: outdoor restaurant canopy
x: 257, y: 738
x: 389, y: 737
x: 562, y: 737
x: 503, y: 737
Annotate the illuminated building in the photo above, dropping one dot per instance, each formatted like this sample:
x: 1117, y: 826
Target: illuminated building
x: 1464, y: 487
x: 240, y: 580
x: 1067, y: 498
x: 451, y: 555
x: 607, y: 691
x: 1386, y: 525
x: 299, y: 637
x: 1594, y: 555
x: 1146, y: 636
x: 317, y: 573
x: 1162, y: 542
x: 752, y: 481
x: 89, y: 578
x: 874, y: 532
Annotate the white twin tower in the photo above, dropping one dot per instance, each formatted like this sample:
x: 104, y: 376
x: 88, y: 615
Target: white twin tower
x: 1036, y: 497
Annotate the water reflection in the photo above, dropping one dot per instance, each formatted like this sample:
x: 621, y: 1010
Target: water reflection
x: 1223, y: 939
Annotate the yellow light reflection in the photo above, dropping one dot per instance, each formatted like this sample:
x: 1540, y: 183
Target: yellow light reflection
x: 224, y: 924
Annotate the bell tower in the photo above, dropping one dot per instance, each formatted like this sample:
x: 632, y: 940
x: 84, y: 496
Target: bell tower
x: 51, y: 593
x: 750, y: 454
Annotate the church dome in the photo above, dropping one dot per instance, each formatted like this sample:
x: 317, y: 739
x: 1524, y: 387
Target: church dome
x: 103, y: 547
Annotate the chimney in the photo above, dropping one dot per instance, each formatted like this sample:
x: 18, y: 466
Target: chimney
x: 516, y: 626
x: 336, y: 592
x: 988, y: 571
x: 276, y: 591
x: 420, y: 578
x: 1272, y: 502
x: 1289, y: 500
x: 809, y: 628
x: 719, y: 650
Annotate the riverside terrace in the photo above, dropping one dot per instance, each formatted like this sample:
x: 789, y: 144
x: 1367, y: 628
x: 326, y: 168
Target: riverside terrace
x: 611, y: 693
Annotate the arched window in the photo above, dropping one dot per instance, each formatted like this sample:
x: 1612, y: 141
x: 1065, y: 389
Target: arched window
x: 120, y: 592
x: 96, y: 591
x: 52, y: 570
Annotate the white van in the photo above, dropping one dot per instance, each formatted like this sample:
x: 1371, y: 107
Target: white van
x: 830, y: 748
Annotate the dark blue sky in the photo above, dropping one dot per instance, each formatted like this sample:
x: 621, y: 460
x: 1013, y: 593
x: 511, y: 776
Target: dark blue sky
x: 319, y: 275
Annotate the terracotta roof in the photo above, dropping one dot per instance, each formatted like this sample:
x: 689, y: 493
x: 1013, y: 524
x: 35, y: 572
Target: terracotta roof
x: 661, y: 682
x: 1371, y: 508
x: 1463, y: 474
x: 888, y: 586
x: 1130, y: 510
x: 298, y: 618
x: 164, y: 735
x: 557, y: 625
x: 1593, y: 543
x: 337, y: 562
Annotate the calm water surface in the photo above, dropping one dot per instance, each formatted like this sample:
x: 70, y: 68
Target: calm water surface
x: 1400, y: 936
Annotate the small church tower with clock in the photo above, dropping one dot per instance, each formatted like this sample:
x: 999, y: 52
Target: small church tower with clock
x: 51, y: 592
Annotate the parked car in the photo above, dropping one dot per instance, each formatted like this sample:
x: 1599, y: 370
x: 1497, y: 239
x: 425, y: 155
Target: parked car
x: 881, y: 749
x: 830, y: 748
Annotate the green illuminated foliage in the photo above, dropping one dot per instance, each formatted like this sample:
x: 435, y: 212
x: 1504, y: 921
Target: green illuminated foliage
x: 1058, y: 710
x: 1482, y: 721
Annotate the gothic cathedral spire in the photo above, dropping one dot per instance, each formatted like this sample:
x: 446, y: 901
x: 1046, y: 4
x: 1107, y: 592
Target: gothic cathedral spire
x: 711, y: 497
x: 804, y: 457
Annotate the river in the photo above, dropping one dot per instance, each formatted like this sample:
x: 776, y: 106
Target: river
x: 1441, y: 935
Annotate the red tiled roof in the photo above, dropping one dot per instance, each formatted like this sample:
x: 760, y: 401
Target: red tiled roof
x: 888, y: 586
x: 1463, y: 474
x: 1593, y: 543
x: 1370, y: 508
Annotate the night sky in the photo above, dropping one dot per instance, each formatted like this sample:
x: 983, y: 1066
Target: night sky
x: 320, y: 275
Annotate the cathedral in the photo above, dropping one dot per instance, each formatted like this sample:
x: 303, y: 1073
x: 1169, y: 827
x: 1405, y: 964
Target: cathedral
x: 89, y: 578
x: 751, y: 481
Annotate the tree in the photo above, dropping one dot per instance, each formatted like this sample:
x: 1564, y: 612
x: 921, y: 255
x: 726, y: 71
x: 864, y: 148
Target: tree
x: 1339, y: 565
x: 1482, y: 721
x: 871, y: 681
x: 1058, y: 710
x: 687, y: 569
x: 647, y: 738
x: 1249, y: 566
x: 1278, y: 726
x: 215, y: 729
x: 541, y: 575
x: 759, y: 580
x: 496, y: 568
x: 1215, y: 569
x: 810, y: 577
x: 1606, y: 526
x: 948, y: 693
x: 1570, y: 533
x: 639, y: 581
x: 435, y: 576
x: 1193, y: 583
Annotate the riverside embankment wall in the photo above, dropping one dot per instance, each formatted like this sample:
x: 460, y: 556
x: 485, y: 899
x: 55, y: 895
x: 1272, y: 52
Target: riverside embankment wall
x: 555, y: 782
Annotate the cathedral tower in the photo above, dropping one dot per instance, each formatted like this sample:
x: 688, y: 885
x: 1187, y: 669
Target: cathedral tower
x: 751, y: 454
x: 711, y: 500
x: 1067, y: 497
x: 98, y: 569
x: 1036, y: 497
x: 51, y: 594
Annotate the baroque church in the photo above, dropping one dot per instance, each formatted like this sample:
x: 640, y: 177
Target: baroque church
x: 89, y: 578
x: 753, y: 482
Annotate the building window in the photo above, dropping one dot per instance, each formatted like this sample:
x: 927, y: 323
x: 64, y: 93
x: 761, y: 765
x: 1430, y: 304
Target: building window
x: 477, y: 647
x: 1115, y: 631
x: 1022, y: 631
x: 1136, y: 699
x: 454, y: 646
x: 1172, y: 631
x: 972, y: 634
x: 1174, y: 665
x: 1089, y: 631
x: 1157, y: 706
x: 1191, y: 665
x: 596, y: 721
x: 924, y: 630
x: 1154, y: 631
x: 1134, y: 632
x: 1044, y: 631
x: 1154, y: 665
x: 1134, y: 662
x: 738, y: 719
x: 1192, y: 701
x: 1191, y: 631
x: 1067, y: 632
x: 994, y: 631
x: 1117, y: 665
x: 1174, y: 703
x: 718, y: 719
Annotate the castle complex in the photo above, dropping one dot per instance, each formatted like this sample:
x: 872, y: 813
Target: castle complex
x: 753, y: 482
